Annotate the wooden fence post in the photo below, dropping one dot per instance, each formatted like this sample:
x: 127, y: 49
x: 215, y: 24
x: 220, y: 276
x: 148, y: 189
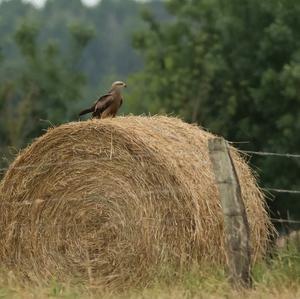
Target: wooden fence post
x: 235, y: 219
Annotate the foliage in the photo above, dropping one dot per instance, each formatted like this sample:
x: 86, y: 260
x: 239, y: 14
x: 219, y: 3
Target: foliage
x: 234, y: 68
x: 48, y: 54
x: 45, y: 86
x: 112, y: 22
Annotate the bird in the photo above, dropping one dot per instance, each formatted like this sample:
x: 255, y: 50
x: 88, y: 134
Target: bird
x: 108, y: 104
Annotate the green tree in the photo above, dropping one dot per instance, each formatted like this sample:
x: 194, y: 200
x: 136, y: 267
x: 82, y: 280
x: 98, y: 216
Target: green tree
x: 45, y: 52
x: 109, y: 54
x: 233, y: 67
x: 44, y: 89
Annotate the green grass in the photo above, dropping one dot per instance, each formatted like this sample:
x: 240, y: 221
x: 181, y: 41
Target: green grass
x: 278, y: 277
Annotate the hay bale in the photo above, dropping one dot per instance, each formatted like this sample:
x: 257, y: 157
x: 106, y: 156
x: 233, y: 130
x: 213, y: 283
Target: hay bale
x: 112, y: 200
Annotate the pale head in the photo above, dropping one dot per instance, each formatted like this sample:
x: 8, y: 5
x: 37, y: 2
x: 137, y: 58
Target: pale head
x: 118, y: 85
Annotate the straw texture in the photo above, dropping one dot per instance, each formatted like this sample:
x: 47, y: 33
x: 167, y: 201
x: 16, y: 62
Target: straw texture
x: 110, y: 201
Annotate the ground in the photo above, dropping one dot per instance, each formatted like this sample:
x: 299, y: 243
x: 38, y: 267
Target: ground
x: 277, y: 277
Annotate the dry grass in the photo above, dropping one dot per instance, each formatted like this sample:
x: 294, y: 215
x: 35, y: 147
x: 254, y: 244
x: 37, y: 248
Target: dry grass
x: 110, y: 201
x: 277, y: 279
x: 175, y: 292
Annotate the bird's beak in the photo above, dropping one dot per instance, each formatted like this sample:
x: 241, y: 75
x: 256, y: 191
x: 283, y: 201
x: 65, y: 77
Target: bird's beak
x: 125, y: 85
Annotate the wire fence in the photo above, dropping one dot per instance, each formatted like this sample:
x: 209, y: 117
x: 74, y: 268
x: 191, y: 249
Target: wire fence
x: 280, y: 220
x: 281, y: 191
x: 276, y: 190
x: 272, y: 154
x: 111, y: 156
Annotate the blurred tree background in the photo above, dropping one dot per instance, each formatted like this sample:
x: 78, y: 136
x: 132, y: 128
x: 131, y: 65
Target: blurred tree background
x: 231, y: 66
x: 60, y: 57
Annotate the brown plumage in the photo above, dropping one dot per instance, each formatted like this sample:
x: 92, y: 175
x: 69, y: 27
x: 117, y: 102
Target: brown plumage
x: 108, y: 104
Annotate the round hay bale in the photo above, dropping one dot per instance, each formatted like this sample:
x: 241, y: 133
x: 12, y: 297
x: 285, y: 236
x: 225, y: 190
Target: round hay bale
x: 113, y: 200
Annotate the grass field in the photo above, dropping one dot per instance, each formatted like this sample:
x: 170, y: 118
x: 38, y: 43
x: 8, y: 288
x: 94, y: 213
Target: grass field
x: 277, y: 278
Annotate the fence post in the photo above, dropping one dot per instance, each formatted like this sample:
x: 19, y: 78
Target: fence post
x: 235, y: 219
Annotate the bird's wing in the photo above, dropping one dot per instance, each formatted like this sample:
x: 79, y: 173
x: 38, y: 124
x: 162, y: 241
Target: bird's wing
x: 103, y: 98
x: 97, y: 105
x: 99, y: 100
x: 104, y: 102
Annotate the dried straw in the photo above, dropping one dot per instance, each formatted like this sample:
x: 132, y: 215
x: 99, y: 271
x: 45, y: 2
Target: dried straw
x: 113, y: 200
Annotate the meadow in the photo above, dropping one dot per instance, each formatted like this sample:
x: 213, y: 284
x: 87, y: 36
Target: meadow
x: 276, y: 277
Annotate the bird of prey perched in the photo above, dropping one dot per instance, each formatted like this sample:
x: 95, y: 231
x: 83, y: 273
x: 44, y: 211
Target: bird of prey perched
x: 108, y: 104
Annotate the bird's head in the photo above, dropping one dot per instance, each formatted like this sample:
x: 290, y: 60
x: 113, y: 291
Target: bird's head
x: 118, y: 85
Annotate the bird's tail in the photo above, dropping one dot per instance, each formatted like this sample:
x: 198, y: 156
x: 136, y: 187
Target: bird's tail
x: 85, y: 111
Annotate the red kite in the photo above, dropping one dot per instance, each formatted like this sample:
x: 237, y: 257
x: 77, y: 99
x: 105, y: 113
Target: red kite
x: 109, y: 104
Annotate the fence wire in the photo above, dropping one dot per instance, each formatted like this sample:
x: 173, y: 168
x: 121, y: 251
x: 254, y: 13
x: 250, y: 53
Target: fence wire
x: 111, y: 156
x: 280, y: 220
x: 297, y: 156
x: 281, y: 190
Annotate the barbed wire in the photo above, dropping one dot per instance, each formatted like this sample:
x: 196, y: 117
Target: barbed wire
x: 111, y: 156
x: 271, y: 154
x: 279, y: 220
x: 281, y: 190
